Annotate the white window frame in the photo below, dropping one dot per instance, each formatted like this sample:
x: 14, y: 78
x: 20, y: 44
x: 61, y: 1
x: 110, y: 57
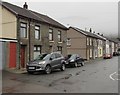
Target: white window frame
x: 37, y: 30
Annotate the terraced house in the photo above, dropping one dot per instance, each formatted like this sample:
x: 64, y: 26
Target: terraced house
x: 26, y: 34
x: 83, y: 43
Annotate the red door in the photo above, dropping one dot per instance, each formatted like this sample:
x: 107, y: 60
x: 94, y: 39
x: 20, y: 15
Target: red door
x: 22, y: 56
x: 12, y: 56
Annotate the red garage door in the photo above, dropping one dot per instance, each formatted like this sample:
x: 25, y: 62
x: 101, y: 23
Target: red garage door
x: 12, y: 56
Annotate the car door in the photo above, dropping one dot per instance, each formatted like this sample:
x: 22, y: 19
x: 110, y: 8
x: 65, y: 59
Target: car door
x: 53, y: 61
x: 59, y: 59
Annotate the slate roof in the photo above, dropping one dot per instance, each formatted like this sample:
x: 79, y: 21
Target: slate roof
x: 19, y: 11
x: 87, y: 33
x: 115, y: 40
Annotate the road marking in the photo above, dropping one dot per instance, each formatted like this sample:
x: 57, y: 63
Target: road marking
x: 112, y: 75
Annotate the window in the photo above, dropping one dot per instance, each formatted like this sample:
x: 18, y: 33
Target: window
x: 51, y: 34
x: 68, y: 42
x: 100, y: 51
x: 37, y: 32
x: 95, y: 42
x: 59, y: 36
x: 59, y: 49
x: 87, y: 41
x: 23, y: 30
x: 90, y: 41
x: 37, y: 48
x: 90, y: 53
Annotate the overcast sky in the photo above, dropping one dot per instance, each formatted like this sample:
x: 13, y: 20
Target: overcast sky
x: 102, y: 17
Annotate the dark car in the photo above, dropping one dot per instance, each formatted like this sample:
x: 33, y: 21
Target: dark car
x: 115, y: 53
x: 74, y: 60
x: 107, y: 56
x: 46, y: 63
x: 118, y: 52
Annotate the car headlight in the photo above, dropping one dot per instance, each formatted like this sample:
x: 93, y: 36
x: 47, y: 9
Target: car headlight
x: 43, y: 62
x: 72, y: 60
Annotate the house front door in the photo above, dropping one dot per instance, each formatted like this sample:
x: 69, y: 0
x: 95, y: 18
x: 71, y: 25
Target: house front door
x: 22, y: 56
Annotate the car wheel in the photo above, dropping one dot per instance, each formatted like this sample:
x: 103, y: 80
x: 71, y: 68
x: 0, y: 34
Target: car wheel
x: 48, y: 69
x: 82, y: 64
x: 29, y: 72
x: 75, y: 64
x: 63, y: 67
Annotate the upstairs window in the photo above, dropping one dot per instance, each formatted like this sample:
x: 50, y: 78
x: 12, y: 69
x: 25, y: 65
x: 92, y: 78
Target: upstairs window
x: 59, y: 36
x: 51, y: 34
x: 87, y: 41
x: 90, y: 41
x: 23, y: 30
x: 37, y: 32
x: 68, y: 42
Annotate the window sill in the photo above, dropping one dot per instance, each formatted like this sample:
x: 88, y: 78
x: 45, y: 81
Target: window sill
x: 60, y: 42
x: 51, y: 41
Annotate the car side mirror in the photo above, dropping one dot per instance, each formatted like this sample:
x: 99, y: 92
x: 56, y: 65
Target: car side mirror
x: 51, y: 58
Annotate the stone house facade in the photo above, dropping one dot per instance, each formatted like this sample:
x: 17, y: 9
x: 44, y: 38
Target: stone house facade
x: 34, y: 33
x: 82, y: 42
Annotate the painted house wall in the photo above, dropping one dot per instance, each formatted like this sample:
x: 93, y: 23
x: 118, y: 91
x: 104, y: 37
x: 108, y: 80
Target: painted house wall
x: 9, y: 24
x: 107, y: 47
x: 78, y: 43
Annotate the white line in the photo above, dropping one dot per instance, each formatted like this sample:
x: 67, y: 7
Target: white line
x: 112, y: 75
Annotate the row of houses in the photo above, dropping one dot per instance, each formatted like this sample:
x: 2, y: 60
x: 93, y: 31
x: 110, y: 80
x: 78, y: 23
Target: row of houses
x: 88, y: 44
x: 26, y: 34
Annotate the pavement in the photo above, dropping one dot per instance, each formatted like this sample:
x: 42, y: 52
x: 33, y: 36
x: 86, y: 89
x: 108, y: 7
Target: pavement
x: 23, y: 70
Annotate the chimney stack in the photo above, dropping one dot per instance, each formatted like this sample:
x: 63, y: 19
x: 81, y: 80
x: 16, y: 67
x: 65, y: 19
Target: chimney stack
x: 90, y: 30
x: 25, y: 6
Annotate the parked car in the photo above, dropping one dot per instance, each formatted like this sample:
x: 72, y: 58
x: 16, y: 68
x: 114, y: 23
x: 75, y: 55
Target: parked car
x: 118, y: 51
x: 115, y: 53
x: 74, y: 60
x: 46, y: 63
x: 107, y: 56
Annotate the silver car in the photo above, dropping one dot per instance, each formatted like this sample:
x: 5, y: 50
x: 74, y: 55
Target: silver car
x: 46, y: 63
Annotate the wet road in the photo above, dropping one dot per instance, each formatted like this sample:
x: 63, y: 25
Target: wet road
x: 94, y: 77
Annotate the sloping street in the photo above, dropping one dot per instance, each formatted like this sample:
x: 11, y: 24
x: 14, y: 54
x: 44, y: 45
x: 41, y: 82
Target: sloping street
x: 94, y: 77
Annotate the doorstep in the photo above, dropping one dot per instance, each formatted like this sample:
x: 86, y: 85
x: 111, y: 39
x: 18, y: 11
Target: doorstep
x: 94, y: 60
x: 18, y: 71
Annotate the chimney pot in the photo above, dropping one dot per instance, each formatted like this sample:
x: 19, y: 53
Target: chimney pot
x: 25, y: 5
x: 98, y: 33
x: 90, y: 30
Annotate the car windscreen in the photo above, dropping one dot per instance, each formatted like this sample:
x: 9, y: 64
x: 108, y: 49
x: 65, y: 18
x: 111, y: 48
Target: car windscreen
x: 73, y: 56
x: 47, y: 57
x: 40, y: 57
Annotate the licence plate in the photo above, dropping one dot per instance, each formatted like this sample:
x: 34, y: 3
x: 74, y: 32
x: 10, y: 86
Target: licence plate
x: 31, y: 67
